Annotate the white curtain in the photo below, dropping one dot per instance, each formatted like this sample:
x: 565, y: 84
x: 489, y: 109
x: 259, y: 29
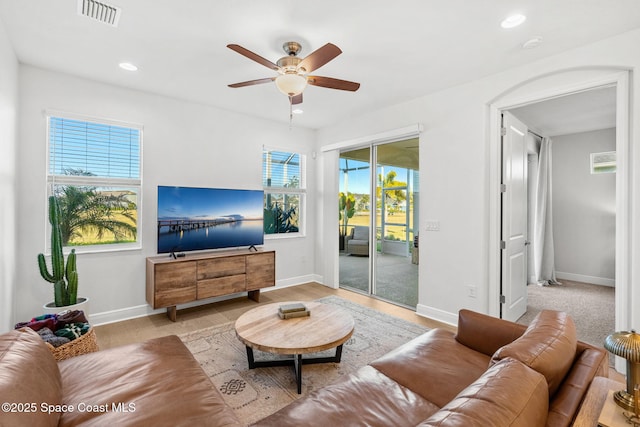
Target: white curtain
x: 542, y: 242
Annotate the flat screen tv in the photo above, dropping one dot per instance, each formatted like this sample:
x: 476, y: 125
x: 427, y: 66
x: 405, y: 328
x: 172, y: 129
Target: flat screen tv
x: 191, y: 219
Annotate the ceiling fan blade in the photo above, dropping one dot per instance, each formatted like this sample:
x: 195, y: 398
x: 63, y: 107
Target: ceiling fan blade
x: 332, y: 83
x: 253, y: 56
x: 296, y: 99
x: 319, y: 57
x: 253, y: 82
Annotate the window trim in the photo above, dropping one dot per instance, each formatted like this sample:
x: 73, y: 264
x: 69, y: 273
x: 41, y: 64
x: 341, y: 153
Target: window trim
x: 301, y: 192
x: 52, y: 179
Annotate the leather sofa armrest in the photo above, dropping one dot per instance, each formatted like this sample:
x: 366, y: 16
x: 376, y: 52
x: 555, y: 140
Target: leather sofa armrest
x: 589, y: 363
x: 484, y: 333
x: 601, y: 362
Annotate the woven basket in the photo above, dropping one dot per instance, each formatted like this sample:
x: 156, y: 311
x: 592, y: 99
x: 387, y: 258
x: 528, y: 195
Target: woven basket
x: 86, y: 343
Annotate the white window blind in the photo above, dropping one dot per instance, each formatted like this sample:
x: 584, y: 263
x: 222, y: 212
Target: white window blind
x: 95, y: 149
x: 281, y: 169
x: 603, y: 162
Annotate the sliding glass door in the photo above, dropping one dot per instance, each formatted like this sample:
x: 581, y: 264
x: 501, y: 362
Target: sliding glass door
x: 378, y: 223
x: 354, y: 206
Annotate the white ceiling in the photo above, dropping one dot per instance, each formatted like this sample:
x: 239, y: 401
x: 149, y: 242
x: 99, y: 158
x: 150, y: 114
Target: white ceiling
x: 581, y: 112
x: 397, y: 50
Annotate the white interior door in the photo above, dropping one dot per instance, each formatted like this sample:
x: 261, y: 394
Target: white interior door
x: 514, y: 218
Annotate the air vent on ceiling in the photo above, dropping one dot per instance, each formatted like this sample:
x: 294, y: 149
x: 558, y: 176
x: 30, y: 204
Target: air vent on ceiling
x: 100, y: 11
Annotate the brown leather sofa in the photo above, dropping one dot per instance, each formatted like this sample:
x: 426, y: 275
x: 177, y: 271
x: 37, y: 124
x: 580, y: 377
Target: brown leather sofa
x: 154, y: 383
x: 492, y: 373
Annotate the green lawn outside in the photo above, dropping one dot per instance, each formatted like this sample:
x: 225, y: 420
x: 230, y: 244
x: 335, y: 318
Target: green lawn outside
x: 396, y: 231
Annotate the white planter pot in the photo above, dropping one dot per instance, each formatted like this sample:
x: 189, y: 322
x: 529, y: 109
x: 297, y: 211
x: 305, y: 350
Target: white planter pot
x: 82, y: 304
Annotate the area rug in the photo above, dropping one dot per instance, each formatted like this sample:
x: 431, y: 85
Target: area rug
x: 254, y: 394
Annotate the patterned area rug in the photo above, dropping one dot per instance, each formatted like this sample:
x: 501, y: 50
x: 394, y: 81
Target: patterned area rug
x: 256, y: 393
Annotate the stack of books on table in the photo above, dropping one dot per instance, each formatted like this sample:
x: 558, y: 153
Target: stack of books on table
x: 289, y: 311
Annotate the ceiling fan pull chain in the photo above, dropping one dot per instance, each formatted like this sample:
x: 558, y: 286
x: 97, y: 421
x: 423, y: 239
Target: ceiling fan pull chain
x: 290, y: 112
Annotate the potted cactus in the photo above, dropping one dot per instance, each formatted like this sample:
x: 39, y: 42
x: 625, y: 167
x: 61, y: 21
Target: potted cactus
x: 64, y: 278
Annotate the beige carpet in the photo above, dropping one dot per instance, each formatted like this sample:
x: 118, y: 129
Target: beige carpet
x: 254, y: 394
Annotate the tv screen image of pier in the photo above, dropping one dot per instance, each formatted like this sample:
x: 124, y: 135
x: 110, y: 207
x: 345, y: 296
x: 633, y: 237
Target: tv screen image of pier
x: 191, y: 218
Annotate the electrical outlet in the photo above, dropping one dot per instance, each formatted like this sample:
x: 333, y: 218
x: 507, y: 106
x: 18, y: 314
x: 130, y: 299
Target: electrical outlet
x: 472, y: 291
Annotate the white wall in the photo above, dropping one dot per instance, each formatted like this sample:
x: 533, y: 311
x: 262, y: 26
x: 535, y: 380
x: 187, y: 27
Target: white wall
x: 584, y: 208
x: 184, y: 144
x: 8, y: 144
x: 455, y: 153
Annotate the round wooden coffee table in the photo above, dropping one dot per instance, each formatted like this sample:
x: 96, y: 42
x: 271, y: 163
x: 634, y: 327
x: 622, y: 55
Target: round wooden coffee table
x: 262, y: 329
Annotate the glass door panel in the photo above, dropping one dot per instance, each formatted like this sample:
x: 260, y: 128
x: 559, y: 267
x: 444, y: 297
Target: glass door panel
x: 395, y: 269
x: 354, y: 206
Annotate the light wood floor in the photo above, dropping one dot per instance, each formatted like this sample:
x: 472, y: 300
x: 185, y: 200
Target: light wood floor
x: 191, y: 319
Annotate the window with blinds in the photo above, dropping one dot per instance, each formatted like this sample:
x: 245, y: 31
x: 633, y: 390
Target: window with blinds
x: 94, y: 170
x: 284, y: 190
x: 603, y: 162
x: 94, y: 149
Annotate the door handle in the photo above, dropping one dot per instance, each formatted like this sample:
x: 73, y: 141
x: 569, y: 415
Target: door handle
x: 527, y: 243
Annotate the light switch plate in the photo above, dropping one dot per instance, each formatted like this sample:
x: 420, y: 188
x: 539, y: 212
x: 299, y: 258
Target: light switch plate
x: 432, y: 225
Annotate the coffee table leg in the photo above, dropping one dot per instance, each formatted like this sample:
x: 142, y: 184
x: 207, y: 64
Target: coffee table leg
x: 338, y: 354
x: 297, y: 365
x: 252, y: 363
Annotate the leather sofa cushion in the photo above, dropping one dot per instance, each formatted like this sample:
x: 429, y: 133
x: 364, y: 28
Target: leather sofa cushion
x: 365, y: 398
x: 160, y: 377
x: 547, y: 346
x: 28, y: 374
x: 434, y: 365
x: 508, y: 394
x: 485, y: 333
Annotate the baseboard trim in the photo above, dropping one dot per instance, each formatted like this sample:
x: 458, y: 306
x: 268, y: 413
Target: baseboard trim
x: 128, y: 313
x: 437, y: 314
x: 602, y: 281
x: 294, y: 281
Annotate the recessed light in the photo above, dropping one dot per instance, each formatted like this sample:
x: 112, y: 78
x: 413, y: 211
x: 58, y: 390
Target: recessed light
x: 532, y: 43
x: 128, y: 66
x: 513, y: 21
x: 297, y: 111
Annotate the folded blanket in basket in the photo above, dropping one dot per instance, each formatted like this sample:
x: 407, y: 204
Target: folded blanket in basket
x: 54, y: 321
x: 37, y: 323
x: 48, y: 336
x: 73, y: 330
x: 71, y: 316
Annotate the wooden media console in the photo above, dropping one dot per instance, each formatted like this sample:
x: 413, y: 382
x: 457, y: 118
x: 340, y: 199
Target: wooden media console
x: 198, y: 276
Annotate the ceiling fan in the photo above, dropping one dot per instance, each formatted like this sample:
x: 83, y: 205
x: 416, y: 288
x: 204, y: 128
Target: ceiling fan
x: 293, y: 72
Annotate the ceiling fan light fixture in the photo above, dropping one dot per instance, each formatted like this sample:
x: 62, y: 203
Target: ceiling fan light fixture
x: 291, y: 84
